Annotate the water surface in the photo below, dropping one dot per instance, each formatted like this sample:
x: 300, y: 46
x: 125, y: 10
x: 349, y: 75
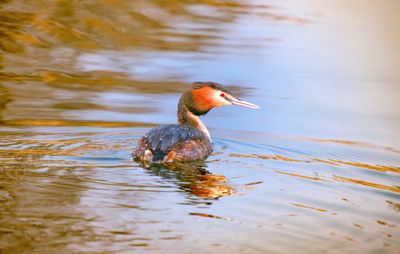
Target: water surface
x: 315, y: 170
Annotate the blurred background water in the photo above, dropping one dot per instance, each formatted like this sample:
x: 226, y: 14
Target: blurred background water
x: 317, y: 169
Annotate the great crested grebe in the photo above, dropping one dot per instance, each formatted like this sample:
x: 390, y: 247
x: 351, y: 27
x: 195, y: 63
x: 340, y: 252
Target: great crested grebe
x: 190, y: 139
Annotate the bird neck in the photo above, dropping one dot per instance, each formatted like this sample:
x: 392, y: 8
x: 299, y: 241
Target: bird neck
x: 186, y: 117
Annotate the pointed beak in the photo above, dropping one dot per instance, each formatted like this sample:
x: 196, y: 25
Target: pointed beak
x: 239, y: 102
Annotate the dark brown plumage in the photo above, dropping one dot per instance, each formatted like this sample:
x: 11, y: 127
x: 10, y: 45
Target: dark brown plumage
x: 186, y: 142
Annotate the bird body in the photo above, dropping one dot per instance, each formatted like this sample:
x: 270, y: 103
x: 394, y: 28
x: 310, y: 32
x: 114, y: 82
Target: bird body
x: 173, y: 143
x: 189, y: 140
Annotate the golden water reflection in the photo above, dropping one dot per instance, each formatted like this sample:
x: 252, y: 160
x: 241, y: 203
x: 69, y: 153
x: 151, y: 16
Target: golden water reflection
x: 334, y: 162
x: 195, y: 179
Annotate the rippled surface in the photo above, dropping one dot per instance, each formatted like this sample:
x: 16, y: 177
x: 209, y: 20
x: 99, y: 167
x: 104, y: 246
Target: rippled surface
x: 315, y: 170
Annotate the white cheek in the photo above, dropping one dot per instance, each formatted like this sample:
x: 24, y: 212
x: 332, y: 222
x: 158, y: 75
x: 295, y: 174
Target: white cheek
x: 221, y: 100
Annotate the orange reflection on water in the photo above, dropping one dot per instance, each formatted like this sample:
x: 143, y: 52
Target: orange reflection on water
x: 365, y: 183
x: 333, y: 162
x: 395, y: 206
x: 211, y: 186
x: 266, y: 157
x: 353, y: 143
x: 210, y: 216
x: 369, y: 166
x: 300, y: 176
x: 310, y: 207
x: 195, y: 179
x: 67, y: 122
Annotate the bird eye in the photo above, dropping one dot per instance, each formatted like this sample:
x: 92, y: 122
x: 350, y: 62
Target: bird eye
x: 222, y: 95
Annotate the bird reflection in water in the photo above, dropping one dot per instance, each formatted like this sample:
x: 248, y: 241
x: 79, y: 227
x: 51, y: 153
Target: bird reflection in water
x: 193, y: 178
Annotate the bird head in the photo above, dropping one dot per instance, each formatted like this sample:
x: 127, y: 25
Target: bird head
x: 203, y: 96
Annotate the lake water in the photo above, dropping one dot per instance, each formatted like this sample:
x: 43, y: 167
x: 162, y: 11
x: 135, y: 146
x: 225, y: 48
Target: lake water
x: 316, y: 169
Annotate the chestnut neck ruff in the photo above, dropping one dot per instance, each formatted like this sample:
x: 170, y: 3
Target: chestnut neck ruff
x: 188, y: 113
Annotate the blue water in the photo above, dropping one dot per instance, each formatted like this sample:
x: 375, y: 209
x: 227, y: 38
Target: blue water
x: 316, y: 169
